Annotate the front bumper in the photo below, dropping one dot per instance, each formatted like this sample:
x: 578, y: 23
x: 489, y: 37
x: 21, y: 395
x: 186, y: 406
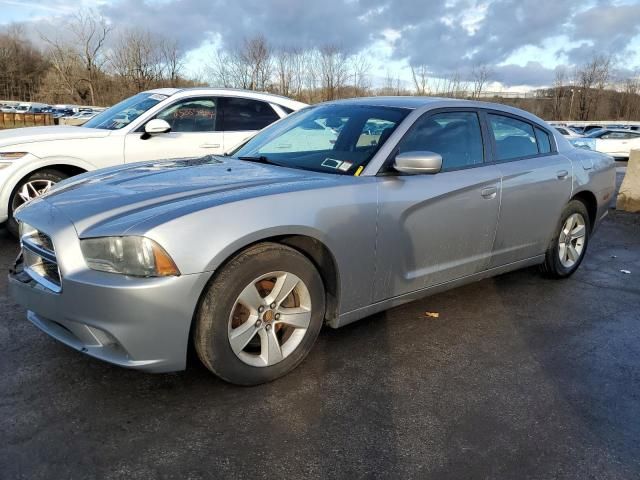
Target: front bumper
x: 134, y: 322
x: 140, y: 323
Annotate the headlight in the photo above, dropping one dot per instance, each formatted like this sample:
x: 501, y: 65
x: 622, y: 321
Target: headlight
x: 135, y: 256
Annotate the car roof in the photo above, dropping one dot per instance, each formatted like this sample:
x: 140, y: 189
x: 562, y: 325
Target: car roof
x: 417, y: 102
x: 265, y: 96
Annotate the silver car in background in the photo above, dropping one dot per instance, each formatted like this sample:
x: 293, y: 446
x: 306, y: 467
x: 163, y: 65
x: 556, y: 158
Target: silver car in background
x: 334, y: 213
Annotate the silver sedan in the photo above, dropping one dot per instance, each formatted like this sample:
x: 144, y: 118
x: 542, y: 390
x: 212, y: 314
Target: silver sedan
x: 334, y: 213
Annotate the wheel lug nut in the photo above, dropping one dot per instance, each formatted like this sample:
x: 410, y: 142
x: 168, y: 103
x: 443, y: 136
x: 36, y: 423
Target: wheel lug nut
x: 260, y: 309
x: 258, y: 323
x: 268, y: 327
x: 273, y: 305
x: 277, y: 316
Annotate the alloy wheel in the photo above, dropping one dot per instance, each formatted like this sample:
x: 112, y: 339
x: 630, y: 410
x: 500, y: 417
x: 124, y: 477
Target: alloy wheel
x: 572, y: 240
x: 30, y: 190
x: 269, y: 319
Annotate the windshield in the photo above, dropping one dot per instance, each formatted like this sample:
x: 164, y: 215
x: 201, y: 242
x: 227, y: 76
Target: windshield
x: 125, y: 112
x: 328, y: 138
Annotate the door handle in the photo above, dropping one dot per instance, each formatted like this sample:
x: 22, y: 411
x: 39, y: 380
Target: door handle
x: 210, y: 145
x: 489, y: 192
x: 562, y: 174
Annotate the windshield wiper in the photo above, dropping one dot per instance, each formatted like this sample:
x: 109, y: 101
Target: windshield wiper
x: 258, y: 159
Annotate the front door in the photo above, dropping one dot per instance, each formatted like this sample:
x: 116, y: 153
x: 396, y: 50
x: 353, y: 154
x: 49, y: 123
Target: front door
x: 434, y: 228
x: 194, y: 132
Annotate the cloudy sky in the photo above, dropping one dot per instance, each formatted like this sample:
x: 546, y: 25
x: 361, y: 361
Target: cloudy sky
x: 522, y: 41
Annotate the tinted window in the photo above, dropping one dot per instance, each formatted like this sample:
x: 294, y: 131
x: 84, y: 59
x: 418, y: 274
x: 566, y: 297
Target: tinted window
x: 241, y: 114
x: 191, y: 115
x: 514, y: 138
x: 544, y: 144
x: 455, y: 136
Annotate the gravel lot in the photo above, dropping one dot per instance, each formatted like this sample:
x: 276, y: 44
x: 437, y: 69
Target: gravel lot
x: 519, y: 377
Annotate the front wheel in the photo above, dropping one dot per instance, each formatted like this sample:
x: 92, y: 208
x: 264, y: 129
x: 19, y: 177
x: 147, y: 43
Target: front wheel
x: 36, y: 184
x: 569, y: 245
x: 260, y: 316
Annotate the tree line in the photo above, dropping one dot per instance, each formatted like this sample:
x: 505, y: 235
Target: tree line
x: 95, y: 63
x: 87, y: 62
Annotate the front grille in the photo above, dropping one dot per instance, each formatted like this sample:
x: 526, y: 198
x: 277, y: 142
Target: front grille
x: 40, y: 260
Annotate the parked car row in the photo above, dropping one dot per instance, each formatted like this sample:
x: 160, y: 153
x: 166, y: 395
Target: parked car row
x: 612, y: 139
x: 327, y: 215
x: 58, y: 111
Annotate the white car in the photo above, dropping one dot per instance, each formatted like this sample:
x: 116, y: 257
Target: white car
x: 617, y: 143
x: 159, y: 124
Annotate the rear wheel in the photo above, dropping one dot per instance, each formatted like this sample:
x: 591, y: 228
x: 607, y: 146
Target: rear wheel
x: 36, y: 184
x: 260, y: 316
x: 569, y: 245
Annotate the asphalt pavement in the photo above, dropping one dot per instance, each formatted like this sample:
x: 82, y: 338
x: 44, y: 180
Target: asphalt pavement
x: 516, y: 377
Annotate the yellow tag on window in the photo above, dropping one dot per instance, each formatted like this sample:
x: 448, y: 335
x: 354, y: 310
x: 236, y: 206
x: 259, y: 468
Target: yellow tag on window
x: 358, y: 171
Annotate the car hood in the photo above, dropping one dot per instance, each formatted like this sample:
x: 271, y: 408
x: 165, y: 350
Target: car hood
x: 112, y: 201
x: 42, y: 134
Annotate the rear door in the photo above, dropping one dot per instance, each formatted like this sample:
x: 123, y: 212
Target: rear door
x: 434, y: 228
x: 242, y: 118
x: 194, y: 132
x: 536, y: 185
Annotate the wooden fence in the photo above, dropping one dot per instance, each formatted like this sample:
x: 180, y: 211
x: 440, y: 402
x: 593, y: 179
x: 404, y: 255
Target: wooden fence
x: 15, y: 120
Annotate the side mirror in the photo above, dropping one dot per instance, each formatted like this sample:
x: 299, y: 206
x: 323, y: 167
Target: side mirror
x: 156, y: 126
x: 415, y: 163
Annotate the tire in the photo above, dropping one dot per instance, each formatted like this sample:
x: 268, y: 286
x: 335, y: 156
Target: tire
x: 222, y: 314
x: 42, y: 178
x: 559, y: 261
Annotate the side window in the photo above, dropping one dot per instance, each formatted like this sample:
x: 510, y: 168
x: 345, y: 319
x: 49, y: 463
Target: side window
x: 544, y: 144
x: 514, y: 138
x: 243, y: 114
x: 191, y: 115
x: 614, y: 135
x: 456, y: 136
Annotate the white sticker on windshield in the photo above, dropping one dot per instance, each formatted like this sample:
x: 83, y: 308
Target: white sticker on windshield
x: 157, y: 96
x: 345, y: 166
x: 331, y: 163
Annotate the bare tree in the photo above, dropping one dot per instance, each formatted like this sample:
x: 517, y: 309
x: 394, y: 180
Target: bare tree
x: 420, y: 75
x: 334, y: 71
x: 480, y: 76
x: 172, y: 59
x: 360, y: 66
x: 80, y: 56
x: 22, y: 66
x: 256, y: 55
x: 137, y: 59
x: 558, y: 91
x: 591, y: 79
x: 247, y: 66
